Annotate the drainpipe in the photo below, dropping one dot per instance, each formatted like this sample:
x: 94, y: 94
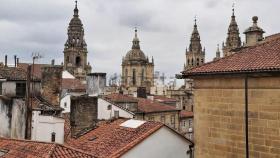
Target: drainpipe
x: 246, y: 115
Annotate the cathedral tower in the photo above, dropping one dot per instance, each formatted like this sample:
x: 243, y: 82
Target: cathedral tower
x: 233, y: 40
x: 218, y: 53
x: 195, y: 56
x: 75, y: 48
x: 137, y: 70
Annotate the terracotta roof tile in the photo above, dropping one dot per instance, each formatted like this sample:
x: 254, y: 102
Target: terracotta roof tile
x: 13, y: 73
x: 186, y: 114
x: 37, y: 68
x: 73, y: 85
x: 23, y: 148
x: 116, y: 97
x: 264, y: 57
x: 147, y: 105
x: 164, y: 99
x: 112, y: 140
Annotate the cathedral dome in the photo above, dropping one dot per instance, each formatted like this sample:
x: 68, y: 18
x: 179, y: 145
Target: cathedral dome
x: 135, y: 54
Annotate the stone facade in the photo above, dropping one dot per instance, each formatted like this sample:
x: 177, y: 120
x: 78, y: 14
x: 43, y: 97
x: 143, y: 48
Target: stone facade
x: 83, y: 114
x: 137, y: 70
x: 169, y: 118
x: 219, y: 117
x: 75, y: 48
x: 254, y: 34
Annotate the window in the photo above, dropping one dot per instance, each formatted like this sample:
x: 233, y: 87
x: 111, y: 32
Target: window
x: 116, y: 113
x: 134, y: 77
x: 78, y: 61
x: 65, y: 104
x: 172, y: 120
x: 184, y: 123
x: 142, y: 75
x: 162, y: 119
x: 151, y: 118
x: 67, y: 59
x: 197, y: 61
x: 190, y: 123
x: 125, y: 76
x: 53, y: 136
x: 20, y: 89
x: 1, y: 88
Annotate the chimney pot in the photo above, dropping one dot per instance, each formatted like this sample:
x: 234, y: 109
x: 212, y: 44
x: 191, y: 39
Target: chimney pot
x: 6, y: 58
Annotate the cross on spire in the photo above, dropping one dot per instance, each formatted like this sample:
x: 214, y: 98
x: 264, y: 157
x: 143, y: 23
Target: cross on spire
x: 195, y: 19
x: 233, y: 5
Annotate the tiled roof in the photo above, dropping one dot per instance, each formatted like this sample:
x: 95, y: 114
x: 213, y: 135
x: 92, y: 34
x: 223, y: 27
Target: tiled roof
x: 186, y: 114
x: 148, y: 106
x: 116, y: 97
x: 13, y: 73
x: 264, y: 57
x: 112, y: 140
x: 23, y: 148
x: 164, y: 99
x: 39, y: 103
x: 144, y: 105
x: 73, y: 84
x: 37, y: 68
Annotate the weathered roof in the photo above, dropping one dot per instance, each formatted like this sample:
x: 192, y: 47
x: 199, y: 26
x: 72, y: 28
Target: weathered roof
x: 149, y: 106
x: 73, y: 85
x: 112, y: 140
x: 186, y: 114
x: 13, y: 73
x: 40, y: 103
x: 164, y: 99
x: 116, y: 97
x: 37, y: 68
x: 264, y: 57
x: 13, y: 148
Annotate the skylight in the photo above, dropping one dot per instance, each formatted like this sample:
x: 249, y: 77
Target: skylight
x: 132, y: 123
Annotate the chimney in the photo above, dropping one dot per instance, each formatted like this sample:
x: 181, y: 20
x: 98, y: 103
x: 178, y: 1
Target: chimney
x: 51, y: 83
x: 83, y: 114
x: 53, y: 62
x: 6, y: 58
x: 96, y: 83
x: 17, y: 61
x: 15, y: 57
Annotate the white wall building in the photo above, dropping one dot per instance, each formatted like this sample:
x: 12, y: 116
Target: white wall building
x: 65, y: 103
x: 164, y: 143
x: 47, y: 128
x: 107, y: 110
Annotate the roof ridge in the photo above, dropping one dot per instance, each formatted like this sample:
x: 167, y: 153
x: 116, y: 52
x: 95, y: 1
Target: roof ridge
x: 135, y: 142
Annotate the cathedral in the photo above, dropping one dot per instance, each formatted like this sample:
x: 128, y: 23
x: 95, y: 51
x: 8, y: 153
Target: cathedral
x: 75, y: 48
x: 137, y: 70
x: 195, y: 56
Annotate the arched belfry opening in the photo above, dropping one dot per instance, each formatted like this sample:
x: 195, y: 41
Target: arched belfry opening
x: 78, y: 61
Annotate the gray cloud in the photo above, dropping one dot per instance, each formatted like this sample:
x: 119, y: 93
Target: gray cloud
x: 164, y: 26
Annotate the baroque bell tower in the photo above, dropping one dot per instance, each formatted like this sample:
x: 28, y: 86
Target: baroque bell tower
x: 75, y: 48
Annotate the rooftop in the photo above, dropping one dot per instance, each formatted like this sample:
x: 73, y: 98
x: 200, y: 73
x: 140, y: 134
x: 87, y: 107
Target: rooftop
x: 186, y: 114
x: 13, y: 73
x: 12, y: 148
x: 264, y: 57
x: 110, y: 139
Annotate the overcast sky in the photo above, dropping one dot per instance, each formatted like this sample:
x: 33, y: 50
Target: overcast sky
x: 164, y: 28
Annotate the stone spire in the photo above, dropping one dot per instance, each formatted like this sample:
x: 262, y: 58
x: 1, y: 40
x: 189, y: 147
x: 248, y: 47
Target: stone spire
x: 194, y: 55
x: 218, y: 53
x: 233, y: 39
x: 76, y: 10
x: 195, y: 45
x: 135, y: 42
x: 253, y: 34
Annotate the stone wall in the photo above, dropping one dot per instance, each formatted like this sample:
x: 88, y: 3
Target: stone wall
x: 83, y: 114
x: 51, y: 83
x: 219, y: 117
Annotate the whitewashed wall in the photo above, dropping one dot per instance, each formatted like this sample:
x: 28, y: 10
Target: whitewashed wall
x: 104, y: 113
x: 164, y: 143
x: 44, y: 126
x: 65, y: 103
